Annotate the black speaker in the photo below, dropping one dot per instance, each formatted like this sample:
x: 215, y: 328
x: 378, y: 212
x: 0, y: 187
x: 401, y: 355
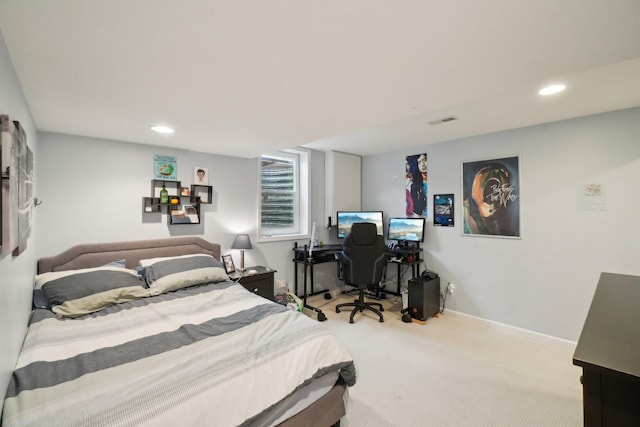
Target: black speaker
x: 423, y: 297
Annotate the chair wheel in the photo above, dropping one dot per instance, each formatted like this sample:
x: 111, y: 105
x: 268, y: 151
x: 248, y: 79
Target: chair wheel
x: 381, y: 320
x: 321, y: 317
x: 381, y: 308
x: 337, y: 310
x: 350, y: 320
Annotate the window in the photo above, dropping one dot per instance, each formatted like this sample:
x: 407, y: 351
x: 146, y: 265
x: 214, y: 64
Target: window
x: 284, y: 195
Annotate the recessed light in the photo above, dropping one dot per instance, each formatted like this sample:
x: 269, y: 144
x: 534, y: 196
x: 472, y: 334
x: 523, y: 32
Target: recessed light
x: 551, y: 89
x: 161, y: 129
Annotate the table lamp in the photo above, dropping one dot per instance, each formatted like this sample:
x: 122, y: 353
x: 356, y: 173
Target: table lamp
x: 242, y: 242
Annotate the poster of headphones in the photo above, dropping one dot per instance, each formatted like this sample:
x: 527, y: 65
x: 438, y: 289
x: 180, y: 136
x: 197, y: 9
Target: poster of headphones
x: 416, y: 185
x: 443, y: 210
x: 491, y: 197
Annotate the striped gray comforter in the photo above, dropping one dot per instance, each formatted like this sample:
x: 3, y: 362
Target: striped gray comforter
x: 209, y: 355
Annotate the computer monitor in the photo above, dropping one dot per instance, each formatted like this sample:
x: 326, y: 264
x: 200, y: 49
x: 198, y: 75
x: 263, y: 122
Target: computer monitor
x: 406, y: 229
x: 347, y: 218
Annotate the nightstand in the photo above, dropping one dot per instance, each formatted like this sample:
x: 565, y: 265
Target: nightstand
x: 260, y: 283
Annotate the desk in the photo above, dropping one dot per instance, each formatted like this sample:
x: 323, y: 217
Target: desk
x: 319, y: 255
x: 410, y: 255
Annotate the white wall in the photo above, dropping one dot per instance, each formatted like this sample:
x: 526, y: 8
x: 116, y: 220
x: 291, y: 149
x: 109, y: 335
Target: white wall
x: 16, y: 273
x: 545, y: 281
x: 92, y: 192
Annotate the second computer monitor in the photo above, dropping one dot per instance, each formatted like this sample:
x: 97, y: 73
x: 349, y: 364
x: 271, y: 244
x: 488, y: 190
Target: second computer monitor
x: 406, y: 229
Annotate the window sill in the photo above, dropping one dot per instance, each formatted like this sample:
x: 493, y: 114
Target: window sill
x: 283, y: 238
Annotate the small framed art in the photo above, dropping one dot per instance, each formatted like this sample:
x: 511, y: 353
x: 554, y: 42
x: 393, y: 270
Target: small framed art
x: 228, y: 264
x: 165, y: 167
x: 443, y: 210
x: 200, y: 175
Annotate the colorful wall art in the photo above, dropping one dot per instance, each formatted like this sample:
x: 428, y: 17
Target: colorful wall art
x: 416, y: 185
x: 491, y: 197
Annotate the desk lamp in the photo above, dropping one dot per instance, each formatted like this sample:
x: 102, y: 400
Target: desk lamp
x: 242, y: 242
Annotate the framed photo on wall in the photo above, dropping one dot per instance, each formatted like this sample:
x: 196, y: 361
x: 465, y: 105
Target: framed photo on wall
x: 491, y: 197
x: 443, y: 210
x: 165, y: 167
x: 228, y: 264
x: 200, y: 175
x: 16, y: 200
x: 10, y: 161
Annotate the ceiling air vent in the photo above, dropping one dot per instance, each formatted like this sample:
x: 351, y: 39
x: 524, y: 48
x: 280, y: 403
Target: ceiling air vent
x: 443, y: 120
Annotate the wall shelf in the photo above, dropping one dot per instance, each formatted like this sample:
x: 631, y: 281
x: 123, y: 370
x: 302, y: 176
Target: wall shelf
x: 173, y: 187
x: 180, y: 209
x: 205, y: 192
x: 151, y: 205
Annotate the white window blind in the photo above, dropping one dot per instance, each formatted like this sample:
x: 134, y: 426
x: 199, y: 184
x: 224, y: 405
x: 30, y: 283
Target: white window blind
x: 283, y: 194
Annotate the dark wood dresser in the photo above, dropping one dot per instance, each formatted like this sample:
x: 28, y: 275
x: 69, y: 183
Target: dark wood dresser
x: 608, y: 352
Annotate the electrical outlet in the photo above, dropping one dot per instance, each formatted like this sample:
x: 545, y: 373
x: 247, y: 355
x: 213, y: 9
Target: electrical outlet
x: 450, y: 288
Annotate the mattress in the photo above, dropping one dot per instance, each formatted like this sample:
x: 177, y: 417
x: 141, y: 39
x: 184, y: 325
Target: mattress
x: 213, y: 354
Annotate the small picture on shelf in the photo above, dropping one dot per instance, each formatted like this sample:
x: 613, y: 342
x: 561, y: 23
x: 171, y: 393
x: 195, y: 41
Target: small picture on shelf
x: 200, y: 175
x: 228, y: 264
x: 184, y: 191
x: 187, y: 215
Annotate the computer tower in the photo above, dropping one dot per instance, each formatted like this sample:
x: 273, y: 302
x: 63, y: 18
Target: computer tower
x: 423, y: 297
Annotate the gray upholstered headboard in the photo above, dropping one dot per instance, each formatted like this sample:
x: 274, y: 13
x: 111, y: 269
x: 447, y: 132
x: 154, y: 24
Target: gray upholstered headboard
x: 97, y: 254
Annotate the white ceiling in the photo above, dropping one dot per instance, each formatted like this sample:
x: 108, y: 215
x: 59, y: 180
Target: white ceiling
x: 242, y: 77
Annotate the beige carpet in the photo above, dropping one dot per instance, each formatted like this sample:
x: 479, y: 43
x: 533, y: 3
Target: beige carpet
x: 454, y: 370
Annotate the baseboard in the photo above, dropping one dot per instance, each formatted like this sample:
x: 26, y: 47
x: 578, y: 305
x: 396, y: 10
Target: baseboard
x: 525, y: 333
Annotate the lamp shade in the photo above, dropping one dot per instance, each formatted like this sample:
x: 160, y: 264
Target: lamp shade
x: 242, y: 241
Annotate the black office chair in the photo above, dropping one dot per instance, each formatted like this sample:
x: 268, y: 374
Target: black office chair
x: 362, y: 260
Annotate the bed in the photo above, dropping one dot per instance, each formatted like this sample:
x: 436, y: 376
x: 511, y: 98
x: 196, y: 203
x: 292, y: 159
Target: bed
x: 179, y: 345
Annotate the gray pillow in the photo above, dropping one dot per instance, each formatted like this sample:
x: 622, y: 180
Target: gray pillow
x: 172, y: 273
x: 75, y: 293
x: 41, y: 301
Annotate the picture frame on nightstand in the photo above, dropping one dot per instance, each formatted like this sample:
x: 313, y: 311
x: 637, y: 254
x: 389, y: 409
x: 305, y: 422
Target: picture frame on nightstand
x: 228, y: 264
